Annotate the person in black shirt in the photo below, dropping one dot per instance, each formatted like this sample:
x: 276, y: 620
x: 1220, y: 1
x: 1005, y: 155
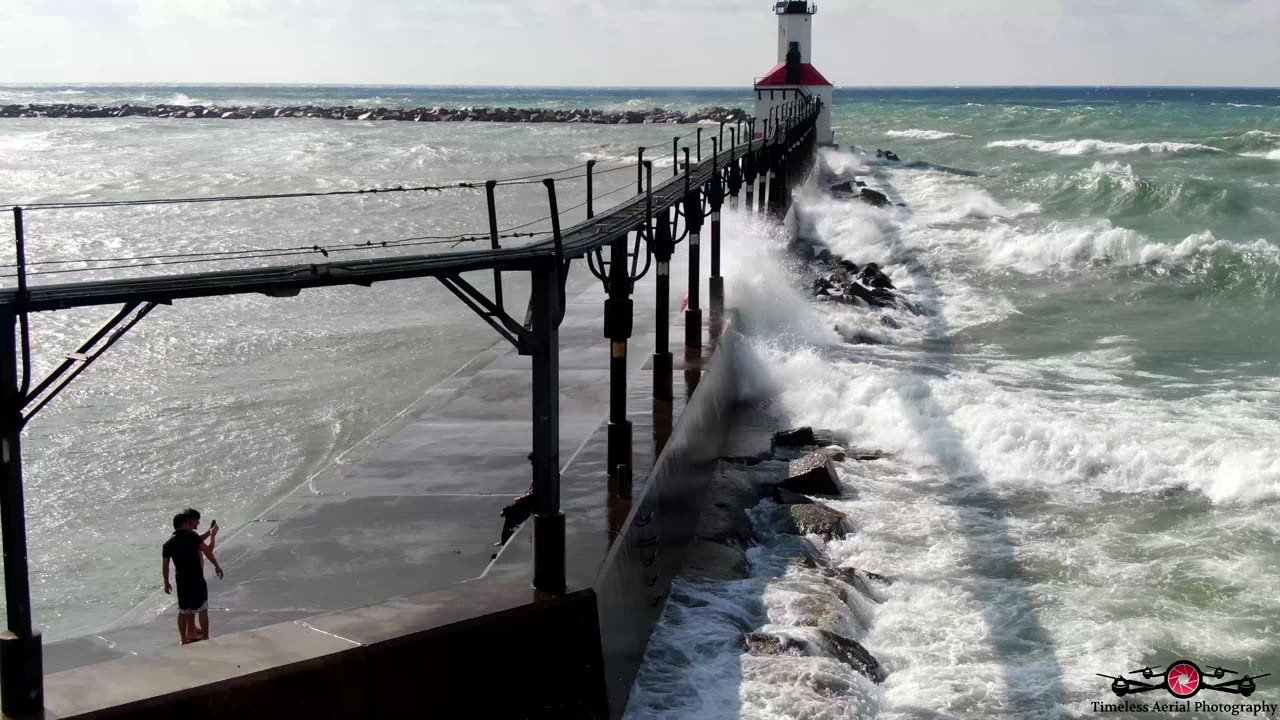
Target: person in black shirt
x: 184, y: 549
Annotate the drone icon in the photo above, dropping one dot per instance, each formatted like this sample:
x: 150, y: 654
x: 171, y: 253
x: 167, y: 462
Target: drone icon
x: 1182, y: 679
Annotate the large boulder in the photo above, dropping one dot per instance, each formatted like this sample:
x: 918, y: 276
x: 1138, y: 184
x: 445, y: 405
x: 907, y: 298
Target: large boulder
x: 827, y: 644
x: 759, y: 643
x: 723, y: 518
x: 795, y: 437
x: 817, y: 519
x: 713, y: 561
x: 851, y: 653
x: 801, y: 437
x: 783, y: 496
x: 859, y: 580
x: 857, y: 577
x: 813, y: 474
x: 721, y: 522
x: 874, y: 197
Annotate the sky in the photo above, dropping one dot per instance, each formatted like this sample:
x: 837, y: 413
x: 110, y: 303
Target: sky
x: 638, y: 42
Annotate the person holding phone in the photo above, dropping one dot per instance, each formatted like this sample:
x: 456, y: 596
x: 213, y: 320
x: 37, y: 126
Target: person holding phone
x: 184, y: 549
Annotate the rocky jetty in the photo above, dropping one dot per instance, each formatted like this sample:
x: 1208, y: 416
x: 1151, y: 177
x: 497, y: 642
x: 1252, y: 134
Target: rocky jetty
x: 419, y: 114
x: 771, y: 494
x: 839, y: 280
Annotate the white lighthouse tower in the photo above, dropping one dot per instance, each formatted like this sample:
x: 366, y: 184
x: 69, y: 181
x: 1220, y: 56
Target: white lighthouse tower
x: 794, y: 76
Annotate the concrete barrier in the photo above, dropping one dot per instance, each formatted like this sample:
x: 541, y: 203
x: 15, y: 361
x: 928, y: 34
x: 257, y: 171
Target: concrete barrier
x: 641, y: 565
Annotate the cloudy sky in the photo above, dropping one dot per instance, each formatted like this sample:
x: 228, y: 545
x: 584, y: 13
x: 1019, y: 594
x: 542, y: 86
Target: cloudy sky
x: 638, y: 42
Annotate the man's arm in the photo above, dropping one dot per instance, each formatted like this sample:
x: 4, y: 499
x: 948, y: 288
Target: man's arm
x: 210, y: 535
x: 208, y: 552
x: 164, y: 570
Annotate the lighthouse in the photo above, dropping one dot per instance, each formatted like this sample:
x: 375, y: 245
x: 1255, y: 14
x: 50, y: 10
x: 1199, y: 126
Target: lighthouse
x: 795, y: 77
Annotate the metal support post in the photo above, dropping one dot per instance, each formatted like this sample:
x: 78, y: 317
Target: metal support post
x: 591, y: 194
x: 693, y: 223
x: 548, y: 520
x: 617, y: 327
x: 734, y: 182
x: 662, y: 248
x: 765, y: 165
x: 778, y: 188
x: 715, y: 197
x: 493, y: 236
x: 640, y: 171
x: 21, y: 665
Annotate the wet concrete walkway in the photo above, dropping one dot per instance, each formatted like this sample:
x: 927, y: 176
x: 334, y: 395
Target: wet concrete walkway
x: 419, y: 509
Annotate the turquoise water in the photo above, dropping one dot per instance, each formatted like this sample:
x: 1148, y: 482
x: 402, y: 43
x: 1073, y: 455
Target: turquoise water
x: 1083, y: 423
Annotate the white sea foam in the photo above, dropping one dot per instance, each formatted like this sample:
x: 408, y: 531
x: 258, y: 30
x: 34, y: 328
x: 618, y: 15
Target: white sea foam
x: 1269, y: 155
x: 925, y: 134
x: 943, y: 198
x: 1100, y: 147
x: 1021, y: 509
x: 1062, y: 245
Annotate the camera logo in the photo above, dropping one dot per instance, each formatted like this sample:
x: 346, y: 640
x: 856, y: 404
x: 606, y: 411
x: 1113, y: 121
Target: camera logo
x: 1183, y: 679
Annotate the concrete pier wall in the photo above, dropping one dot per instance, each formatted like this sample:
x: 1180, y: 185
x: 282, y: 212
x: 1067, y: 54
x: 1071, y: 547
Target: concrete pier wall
x: 538, y: 660
x: 640, y: 567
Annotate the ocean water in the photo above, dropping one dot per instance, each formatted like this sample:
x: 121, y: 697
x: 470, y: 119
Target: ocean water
x: 1082, y: 425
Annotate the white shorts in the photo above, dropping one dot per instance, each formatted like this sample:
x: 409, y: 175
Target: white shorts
x: 200, y: 609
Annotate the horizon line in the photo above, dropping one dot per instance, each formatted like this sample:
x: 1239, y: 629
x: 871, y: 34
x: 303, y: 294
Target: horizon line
x: 131, y: 83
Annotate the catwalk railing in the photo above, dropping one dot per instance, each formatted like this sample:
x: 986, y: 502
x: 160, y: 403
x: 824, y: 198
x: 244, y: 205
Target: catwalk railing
x: 765, y: 156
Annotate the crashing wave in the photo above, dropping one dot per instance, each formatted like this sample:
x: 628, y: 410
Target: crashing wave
x: 915, y: 134
x: 1114, y: 187
x: 1100, y: 147
x: 1069, y: 246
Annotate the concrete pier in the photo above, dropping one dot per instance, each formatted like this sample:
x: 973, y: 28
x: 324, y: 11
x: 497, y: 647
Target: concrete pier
x: 414, y: 519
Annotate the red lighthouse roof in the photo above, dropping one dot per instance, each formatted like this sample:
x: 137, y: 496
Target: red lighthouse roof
x: 809, y: 75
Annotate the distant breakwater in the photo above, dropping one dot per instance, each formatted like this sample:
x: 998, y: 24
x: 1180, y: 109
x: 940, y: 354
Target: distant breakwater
x: 421, y: 114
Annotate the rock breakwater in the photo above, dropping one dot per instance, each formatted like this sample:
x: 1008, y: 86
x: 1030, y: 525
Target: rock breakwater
x: 813, y: 608
x: 419, y: 114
